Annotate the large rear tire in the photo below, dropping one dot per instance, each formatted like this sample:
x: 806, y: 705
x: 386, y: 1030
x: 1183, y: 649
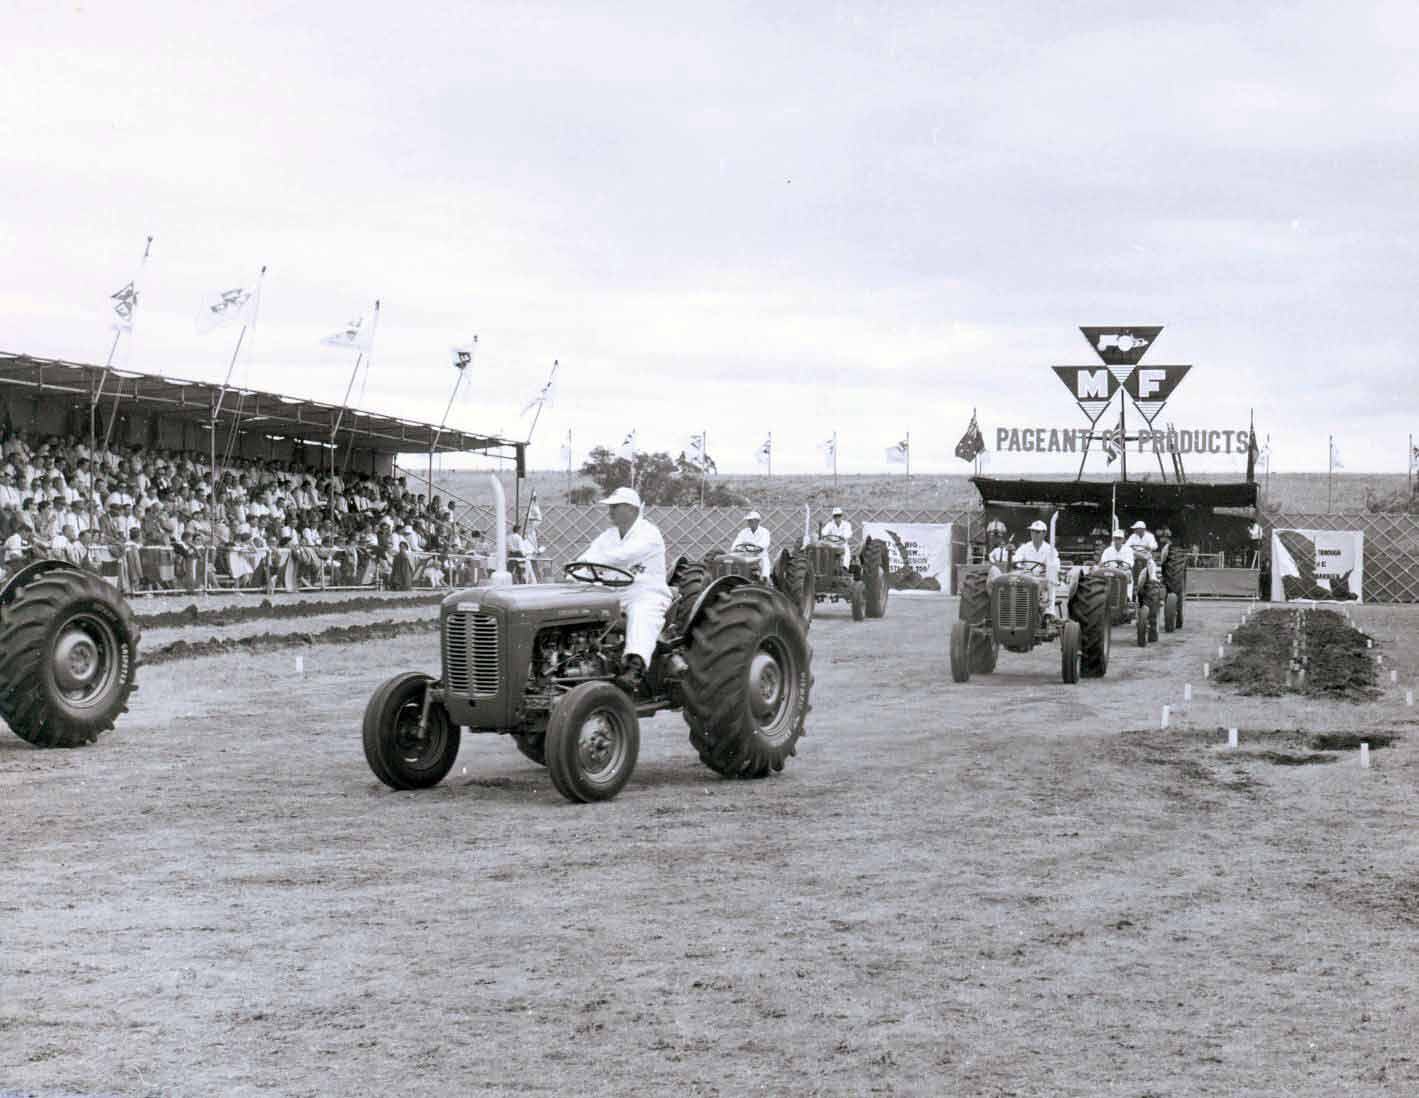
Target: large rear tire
x: 68, y: 658
x: 795, y: 579
x: 593, y: 741
x: 1070, y: 656
x: 397, y: 754
x: 690, y: 579
x: 748, y: 683
x: 874, y: 577
x: 1090, y: 608
x: 1170, y: 612
x: 975, y: 596
x: 961, y: 651
x: 1142, y: 623
x: 1175, y: 579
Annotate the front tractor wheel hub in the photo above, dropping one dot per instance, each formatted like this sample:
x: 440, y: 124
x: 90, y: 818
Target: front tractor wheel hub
x: 76, y: 661
x: 599, y: 748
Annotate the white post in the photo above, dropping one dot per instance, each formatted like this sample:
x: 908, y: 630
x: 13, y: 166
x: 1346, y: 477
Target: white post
x: 1231, y: 739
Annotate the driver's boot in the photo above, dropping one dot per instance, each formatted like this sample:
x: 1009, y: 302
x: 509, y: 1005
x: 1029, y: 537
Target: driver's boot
x: 632, y: 674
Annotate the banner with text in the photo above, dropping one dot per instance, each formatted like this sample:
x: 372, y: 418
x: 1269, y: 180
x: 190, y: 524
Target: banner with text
x: 919, y: 554
x: 1327, y: 565
x: 1072, y: 440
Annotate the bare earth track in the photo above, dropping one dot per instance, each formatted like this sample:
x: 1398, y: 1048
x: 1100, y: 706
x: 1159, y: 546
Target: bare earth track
x: 1007, y: 887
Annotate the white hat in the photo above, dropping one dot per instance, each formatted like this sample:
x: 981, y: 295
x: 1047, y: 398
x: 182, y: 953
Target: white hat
x: 1038, y: 525
x: 752, y: 515
x: 837, y: 510
x: 624, y: 495
x: 1139, y: 525
x: 1118, y: 533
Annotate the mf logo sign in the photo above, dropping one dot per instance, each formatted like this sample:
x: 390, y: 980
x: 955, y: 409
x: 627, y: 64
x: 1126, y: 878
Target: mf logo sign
x: 1092, y: 387
x: 1150, y: 387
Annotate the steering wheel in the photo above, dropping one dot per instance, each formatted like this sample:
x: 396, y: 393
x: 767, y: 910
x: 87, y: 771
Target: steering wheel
x: 747, y: 547
x: 1034, y: 567
x: 590, y: 571
x: 831, y: 539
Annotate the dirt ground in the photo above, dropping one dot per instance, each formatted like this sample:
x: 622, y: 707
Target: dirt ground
x: 1005, y: 887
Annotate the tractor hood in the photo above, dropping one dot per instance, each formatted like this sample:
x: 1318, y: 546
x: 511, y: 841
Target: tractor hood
x: 575, y: 599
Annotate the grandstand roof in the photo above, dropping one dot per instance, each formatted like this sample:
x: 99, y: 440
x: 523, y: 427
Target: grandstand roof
x: 1128, y: 494
x: 270, y: 413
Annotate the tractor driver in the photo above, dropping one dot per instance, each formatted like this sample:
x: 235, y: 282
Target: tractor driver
x: 839, y: 527
x: 1117, y: 553
x: 996, y: 536
x: 1140, y: 538
x: 634, y: 544
x: 754, y: 534
x: 1039, y: 551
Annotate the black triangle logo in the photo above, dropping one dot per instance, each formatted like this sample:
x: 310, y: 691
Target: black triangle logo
x: 1122, y: 346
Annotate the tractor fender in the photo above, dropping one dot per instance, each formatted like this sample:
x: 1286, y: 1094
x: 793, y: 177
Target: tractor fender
x: 711, y: 592
x: 17, y: 580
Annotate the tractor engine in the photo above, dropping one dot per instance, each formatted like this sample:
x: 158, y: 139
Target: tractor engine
x: 574, y: 653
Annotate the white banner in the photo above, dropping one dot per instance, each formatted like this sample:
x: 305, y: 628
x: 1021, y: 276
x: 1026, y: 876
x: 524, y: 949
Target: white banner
x: 919, y: 553
x: 1327, y: 565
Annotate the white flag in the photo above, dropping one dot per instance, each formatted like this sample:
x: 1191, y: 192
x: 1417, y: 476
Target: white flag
x: 1335, y: 462
x: 627, y: 449
x: 765, y: 453
x: 224, y: 308
x: 462, y: 358
x: 830, y: 452
x: 355, y: 336
x: 567, y: 454
x: 125, y: 304
x: 897, y: 455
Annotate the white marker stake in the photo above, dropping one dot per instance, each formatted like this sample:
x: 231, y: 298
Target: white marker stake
x: 1409, y: 698
x: 1365, y: 756
x: 1394, y: 676
x: 1187, y: 691
x: 1369, y: 643
x: 1206, y: 669
x: 300, y: 665
x: 1220, y: 654
x: 1165, y: 716
x: 1231, y: 739
x: 1229, y: 638
x: 1380, y: 660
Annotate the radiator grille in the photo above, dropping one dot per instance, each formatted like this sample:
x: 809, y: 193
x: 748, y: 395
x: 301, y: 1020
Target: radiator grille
x: 470, y: 647
x: 1015, y: 600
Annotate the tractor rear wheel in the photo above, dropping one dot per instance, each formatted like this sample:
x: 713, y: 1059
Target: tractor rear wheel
x: 397, y: 753
x: 1155, y: 610
x: 1170, y: 612
x: 690, y: 579
x: 1090, y: 608
x: 748, y: 683
x: 795, y: 579
x: 1070, y: 656
x: 1175, y: 578
x: 961, y: 651
x: 975, y: 598
x: 68, y: 658
x: 533, y: 745
x: 593, y: 740
x: 858, y: 599
x: 874, y: 577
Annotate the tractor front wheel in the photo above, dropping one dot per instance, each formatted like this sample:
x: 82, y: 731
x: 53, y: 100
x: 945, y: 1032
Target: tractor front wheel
x: 593, y: 740
x: 859, y: 601
x: 1155, y: 610
x: 874, y: 578
x: 961, y: 651
x: 748, y: 683
x: 1070, y: 656
x: 1170, y: 613
x: 1142, y: 623
x: 399, y: 754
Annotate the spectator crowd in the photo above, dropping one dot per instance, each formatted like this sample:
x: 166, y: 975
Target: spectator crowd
x: 160, y: 520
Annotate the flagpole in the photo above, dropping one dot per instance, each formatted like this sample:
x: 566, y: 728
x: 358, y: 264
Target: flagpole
x: 704, y: 461
x: 569, y: 463
x: 541, y: 399
x: 835, y: 464
x: 1123, y: 435
x: 771, y: 461
x: 340, y: 413
x: 1330, y: 471
x: 908, y: 441
x: 1409, y: 466
x: 457, y: 381
x: 1268, y: 469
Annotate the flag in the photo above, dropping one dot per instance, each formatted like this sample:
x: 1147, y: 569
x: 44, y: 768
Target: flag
x: 972, y: 443
x: 627, y: 449
x: 1414, y: 459
x: 1335, y: 462
x: 125, y: 304
x: 462, y: 358
x: 830, y: 452
x: 1253, y: 453
x: 545, y: 395
x: 699, y: 456
x: 897, y: 455
x: 355, y: 336
x: 765, y: 452
x: 534, y: 512
x: 1112, y: 444
x: 224, y: 308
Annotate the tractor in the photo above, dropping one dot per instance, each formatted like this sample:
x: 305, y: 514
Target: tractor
x: 537, y: 663
x: 792, y: 574
x: 1004, y: 609
x: 68, y: 654
x: 862, y: 583
x: 1172, y: 562
x: 1154, y: 601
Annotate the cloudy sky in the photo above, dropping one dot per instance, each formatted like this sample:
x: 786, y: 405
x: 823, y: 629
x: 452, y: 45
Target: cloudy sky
x: 797, y: 218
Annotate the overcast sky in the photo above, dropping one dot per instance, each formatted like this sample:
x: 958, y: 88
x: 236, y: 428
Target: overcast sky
x: 797, y: 218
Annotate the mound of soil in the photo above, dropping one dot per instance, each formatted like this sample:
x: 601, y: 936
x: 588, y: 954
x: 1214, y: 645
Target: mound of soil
x: 230, y: 615
x: 1333, y: 656
x: 267, y: 642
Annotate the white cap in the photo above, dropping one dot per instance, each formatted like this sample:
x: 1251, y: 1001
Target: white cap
x: 1038, y: 525
x: 1139, y: 525
x: 837, y: 510
x: 1118, y: 533
x: 624, y: 495
x: 752, y: 515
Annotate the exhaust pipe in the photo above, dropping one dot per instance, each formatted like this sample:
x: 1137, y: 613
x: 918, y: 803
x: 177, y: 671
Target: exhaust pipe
x: 500, y: 576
